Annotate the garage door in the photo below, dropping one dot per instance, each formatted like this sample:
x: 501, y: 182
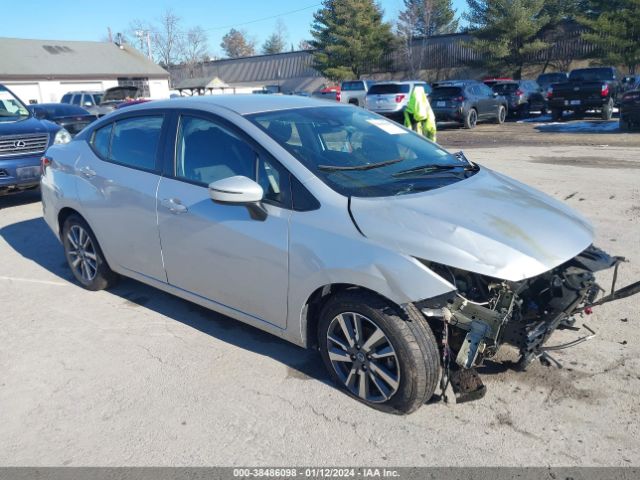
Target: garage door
x: 27, y: 92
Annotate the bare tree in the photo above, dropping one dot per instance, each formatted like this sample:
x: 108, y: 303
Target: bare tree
x: 167, y: 38
x: 277, y: 41
x: 236, y: 44
x: 194, y: 48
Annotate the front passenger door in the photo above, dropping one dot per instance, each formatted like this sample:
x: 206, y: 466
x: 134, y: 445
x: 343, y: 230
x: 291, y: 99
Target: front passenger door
x: 221, y: 252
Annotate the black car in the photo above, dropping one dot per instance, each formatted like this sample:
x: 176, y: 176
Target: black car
x: 71, y: 117
x: 595, y: 88
x: 630, y: 108
x: 467, y: 103
x: 523, y: 97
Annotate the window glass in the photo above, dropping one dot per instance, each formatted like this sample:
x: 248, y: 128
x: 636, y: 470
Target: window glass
x: 486, y: 91
x: 76, y: 99
x: 274, y: 180
x: 348, y: 86
x: 358, y: 153
x: 101, y: 140
x: 389, y: 88
x: 207, y: 152
x: 135, y: 141
x: 88, y: 100
x: 66, y: 98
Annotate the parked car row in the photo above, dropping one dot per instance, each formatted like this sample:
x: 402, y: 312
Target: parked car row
x: 468, y: 102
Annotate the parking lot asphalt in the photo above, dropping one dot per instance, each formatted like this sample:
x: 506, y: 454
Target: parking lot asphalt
x: 134, y: 376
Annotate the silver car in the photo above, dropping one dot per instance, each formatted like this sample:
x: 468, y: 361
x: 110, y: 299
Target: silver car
x: 328, y: 226
x: 391, y: 98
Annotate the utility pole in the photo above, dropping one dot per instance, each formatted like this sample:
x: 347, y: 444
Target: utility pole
x: 149, y: 45
x: 110, y: 36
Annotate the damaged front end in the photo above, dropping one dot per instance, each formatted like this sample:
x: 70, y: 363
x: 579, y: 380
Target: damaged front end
x: 484, y: 313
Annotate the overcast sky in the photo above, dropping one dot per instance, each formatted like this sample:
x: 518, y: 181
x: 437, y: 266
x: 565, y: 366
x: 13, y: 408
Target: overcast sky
x: 74, y: 20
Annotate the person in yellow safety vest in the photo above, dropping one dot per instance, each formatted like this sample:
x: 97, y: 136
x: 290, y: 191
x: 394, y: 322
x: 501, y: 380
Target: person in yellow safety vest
x: 418, y: 115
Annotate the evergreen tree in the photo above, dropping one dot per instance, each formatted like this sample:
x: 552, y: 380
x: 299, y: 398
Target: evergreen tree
x: 614, y: 29
x: 424, y: 18
x: 350, y: 37
x: 506, y: 32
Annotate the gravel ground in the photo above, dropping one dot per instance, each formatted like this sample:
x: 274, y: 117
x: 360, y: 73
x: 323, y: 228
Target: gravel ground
x: 134, y: 376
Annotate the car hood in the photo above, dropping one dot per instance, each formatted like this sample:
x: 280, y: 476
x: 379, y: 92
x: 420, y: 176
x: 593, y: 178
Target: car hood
x: 27, y: 126
x: 488, y: 224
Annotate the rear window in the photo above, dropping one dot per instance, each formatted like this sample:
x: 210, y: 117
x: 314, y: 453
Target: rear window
x: 446, y: 92
x: 350, y: 86
x: 389, y: 88
x: 552, y: 78
x: 505, y: 87
x: 591, y: 74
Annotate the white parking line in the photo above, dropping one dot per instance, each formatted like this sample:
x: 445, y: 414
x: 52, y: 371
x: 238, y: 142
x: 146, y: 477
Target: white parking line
x: 33, y: 280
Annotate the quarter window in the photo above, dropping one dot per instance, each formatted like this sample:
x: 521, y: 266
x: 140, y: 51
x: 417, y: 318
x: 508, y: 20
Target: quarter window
x: 134, y: 141
x: 102, y: 140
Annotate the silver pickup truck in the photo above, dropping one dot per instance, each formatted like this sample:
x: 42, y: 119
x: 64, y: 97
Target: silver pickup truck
x: 354, y: 91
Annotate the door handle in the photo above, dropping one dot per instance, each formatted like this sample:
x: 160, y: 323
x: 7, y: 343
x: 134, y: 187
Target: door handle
x: 87, y: 172
x: 174, y: 205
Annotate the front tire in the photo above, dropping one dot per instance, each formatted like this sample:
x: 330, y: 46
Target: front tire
x: 84, y: 256
x: 379, y: 354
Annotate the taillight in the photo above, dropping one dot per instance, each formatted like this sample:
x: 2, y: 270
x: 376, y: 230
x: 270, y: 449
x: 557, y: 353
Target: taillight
x: 519, y: 93
x: 459, y: 99
x: 400, y: 98
x: 604, y: 91
x: 338, y: 96
x: 44, y: 163
x: 550, y: 92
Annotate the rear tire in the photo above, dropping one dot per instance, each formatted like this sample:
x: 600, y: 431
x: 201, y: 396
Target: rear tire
x: 471, y: 119
x: 556, y: 115
x: 397, y: 373
x: 607, y: 110
x: 84, y: 255
x: 502, y: 115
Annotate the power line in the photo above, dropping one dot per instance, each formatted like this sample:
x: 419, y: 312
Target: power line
x: 263, y: 19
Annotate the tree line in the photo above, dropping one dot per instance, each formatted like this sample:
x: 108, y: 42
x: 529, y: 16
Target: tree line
x: 349, y: 37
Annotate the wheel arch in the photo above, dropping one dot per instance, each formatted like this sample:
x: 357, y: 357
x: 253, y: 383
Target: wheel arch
x: 310, y: 313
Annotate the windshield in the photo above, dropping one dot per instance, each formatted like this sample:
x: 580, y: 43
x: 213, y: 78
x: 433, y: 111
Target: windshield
x: 358, y: 153
x: 389, y: 88
x: 11, y: 108
x: 591, y: 75
x: 347, y: 86
x: 446, y: 92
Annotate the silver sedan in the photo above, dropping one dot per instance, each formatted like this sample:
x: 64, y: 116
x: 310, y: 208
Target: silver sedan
x: 329, y: 226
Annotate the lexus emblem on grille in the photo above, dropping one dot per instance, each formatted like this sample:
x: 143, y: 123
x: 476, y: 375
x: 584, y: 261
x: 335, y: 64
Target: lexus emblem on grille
x: 19, y: 144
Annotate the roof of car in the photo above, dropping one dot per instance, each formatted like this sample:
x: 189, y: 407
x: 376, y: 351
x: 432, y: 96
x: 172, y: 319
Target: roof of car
x: 241, y: 104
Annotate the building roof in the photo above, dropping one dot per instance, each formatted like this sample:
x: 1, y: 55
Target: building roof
x: 25, y: 59
x: 290, y: 70
x: 200, y: 83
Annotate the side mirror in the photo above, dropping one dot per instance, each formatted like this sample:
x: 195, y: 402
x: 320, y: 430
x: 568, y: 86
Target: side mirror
x: 235, y: 190
x: 39, y: 114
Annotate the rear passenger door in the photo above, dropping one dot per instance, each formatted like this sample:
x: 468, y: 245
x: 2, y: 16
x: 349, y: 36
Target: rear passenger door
x: 118, y: 179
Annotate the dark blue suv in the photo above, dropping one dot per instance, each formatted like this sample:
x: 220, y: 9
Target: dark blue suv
x: 23, y: 140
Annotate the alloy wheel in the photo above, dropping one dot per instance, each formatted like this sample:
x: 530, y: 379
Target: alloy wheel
x: 363, y: 357
x: 82, y: 253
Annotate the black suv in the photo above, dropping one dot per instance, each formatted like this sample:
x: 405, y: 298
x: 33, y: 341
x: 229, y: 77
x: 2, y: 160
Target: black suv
x: 467, y: 102
x: 523, y: 97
